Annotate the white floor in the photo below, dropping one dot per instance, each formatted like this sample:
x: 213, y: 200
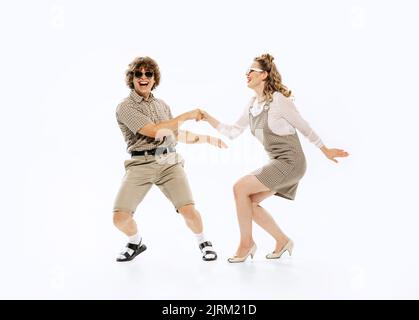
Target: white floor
x: 313, y: 273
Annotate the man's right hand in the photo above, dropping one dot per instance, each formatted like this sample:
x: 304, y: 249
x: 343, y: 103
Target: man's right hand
x: 195, y: 114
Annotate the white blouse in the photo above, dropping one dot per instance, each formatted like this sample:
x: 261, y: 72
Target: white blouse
x: 283, y: 119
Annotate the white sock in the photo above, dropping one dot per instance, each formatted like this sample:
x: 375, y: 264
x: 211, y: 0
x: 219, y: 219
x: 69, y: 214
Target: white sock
x: 135, y: 239
x: 200, y: 237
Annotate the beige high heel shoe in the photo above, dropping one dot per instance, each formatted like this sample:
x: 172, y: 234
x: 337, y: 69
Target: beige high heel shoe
x: 288, y: 247
x: 251, y: 253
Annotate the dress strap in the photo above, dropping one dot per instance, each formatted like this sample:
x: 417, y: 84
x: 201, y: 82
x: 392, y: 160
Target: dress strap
x: 252, y: 101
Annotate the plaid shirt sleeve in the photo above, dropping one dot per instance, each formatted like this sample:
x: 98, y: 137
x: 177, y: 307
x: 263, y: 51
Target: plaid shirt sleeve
x: 167, y: 109
x: 132, y: 118
x: 169, y: 113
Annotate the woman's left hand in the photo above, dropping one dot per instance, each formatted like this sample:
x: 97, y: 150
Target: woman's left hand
x: 334, y: 153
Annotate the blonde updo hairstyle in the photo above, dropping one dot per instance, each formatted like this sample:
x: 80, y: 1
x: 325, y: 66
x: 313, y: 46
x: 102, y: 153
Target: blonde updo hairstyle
x: 273, y: 81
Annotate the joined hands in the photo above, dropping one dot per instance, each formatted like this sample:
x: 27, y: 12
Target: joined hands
x: 199, y: 115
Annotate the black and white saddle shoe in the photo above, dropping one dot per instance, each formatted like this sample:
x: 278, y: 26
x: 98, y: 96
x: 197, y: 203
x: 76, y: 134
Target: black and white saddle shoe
x: 131, y: 252
x: 208, y: 253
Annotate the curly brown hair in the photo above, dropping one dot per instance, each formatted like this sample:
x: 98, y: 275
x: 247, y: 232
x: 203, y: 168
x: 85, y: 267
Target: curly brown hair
x: 273, y: 81
x: 148, y: 64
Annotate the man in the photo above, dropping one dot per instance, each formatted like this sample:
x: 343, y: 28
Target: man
x: 151, y: 133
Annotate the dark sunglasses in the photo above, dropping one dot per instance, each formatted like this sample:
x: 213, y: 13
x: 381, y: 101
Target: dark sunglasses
x: 139, y: 74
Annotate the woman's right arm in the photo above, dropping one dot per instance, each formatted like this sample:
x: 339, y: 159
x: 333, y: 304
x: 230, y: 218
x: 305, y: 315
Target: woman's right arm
x: 230, y: 131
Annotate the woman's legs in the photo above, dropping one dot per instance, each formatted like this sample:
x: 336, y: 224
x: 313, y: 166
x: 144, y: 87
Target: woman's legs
x: 243, y: 189
x: 266, y: 221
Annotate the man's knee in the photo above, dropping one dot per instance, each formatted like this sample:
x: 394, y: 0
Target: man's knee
x: 188, y: 211
x: 120, y: 218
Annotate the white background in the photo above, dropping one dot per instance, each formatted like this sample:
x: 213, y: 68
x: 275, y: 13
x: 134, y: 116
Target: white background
x: 353, y: 68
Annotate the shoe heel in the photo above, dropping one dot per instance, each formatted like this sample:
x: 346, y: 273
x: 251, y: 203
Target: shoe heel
x: 253, y: 251
x: 290, y: 248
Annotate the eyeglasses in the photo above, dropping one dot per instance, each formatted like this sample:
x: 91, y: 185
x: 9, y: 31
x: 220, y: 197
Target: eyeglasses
x: 139, y: 74
x: 253, y: 69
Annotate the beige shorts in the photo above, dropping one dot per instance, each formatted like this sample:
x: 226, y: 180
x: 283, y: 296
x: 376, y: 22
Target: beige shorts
x: 141, y: 172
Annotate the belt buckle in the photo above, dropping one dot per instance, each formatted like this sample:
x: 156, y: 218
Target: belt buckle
x: 163, y: 151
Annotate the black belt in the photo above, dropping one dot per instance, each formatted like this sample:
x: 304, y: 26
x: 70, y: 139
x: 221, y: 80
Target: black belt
x: 152, y: 152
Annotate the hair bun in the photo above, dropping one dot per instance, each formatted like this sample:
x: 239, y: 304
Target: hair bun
x: 268, y: 57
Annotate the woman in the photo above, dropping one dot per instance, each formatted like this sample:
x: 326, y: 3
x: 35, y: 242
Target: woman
x: 273, y: 119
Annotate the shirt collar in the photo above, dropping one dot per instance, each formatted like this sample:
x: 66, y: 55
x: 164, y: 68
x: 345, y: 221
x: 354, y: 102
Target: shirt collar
x: 256, y: 104
x: 137, y: 98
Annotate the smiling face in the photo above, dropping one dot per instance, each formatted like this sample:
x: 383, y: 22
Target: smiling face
x: 255, y: 76
x: 143, y: 81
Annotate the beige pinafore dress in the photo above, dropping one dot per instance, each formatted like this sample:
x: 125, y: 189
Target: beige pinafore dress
x: 287, y: 161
